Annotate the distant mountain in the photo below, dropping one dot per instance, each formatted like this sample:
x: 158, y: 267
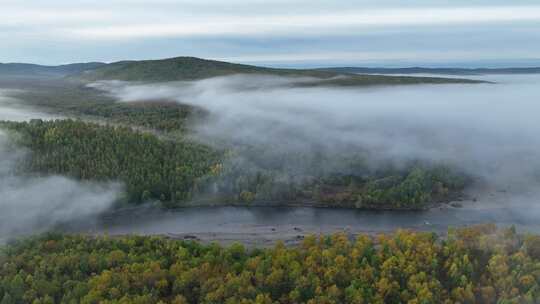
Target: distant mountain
x: 185, y: 68
x: 440, y: 71
x: 191, y: 68
x: 31, y: 70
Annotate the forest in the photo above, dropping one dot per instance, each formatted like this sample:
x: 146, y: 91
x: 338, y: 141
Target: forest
x: 479, y: 264
x: 149, y: 167
x: 180, y: 171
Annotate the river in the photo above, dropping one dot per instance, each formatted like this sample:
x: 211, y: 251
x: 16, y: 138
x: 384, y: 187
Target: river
x: 260, y: 226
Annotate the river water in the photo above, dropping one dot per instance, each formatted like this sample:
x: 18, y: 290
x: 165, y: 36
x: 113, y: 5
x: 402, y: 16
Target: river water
x: 264, y: 226
x: 250, y: 219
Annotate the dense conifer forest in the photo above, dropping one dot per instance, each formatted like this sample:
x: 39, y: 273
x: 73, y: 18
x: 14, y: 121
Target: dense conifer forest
x: 150, y: 167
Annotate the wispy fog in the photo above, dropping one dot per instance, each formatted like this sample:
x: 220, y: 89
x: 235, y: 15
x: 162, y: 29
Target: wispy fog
x: 33, y: 204
x: 489, y: 130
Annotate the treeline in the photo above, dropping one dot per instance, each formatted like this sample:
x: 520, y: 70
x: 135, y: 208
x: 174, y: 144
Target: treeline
x: 150, y: 167
x: 472, y: 265
x: 178, y: 171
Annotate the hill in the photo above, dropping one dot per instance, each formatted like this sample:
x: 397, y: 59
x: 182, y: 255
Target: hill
x: 184, y: 68
x: 191, y: 68
x: 35, y: 70
x: 440, y: 71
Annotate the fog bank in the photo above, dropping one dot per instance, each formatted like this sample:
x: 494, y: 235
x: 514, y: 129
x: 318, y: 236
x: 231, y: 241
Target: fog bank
x: 488, y: 130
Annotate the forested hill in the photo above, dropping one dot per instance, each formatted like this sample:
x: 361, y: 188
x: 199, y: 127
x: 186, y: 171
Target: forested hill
x: 191, y: 68
x: 185, y: 68
x: 26, y: 69
x: 439, y: 71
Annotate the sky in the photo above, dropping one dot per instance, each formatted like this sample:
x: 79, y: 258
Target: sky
x: 295, y: 33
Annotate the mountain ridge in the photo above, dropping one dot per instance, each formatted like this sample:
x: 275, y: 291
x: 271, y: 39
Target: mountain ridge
x: 193, y: 68
x: 30, y: 69
x: 441, y: 71
x: 186, y: 68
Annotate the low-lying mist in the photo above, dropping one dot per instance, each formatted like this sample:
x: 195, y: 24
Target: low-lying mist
x: 488, y: 130
x: 31, y: 204
x: 10, y: 108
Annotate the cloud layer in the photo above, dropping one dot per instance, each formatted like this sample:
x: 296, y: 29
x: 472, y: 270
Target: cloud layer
x: 312, y: 24
x: 271, y: 32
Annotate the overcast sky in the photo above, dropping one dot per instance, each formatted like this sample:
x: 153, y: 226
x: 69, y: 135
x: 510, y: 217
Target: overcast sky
x: 277, y: 33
